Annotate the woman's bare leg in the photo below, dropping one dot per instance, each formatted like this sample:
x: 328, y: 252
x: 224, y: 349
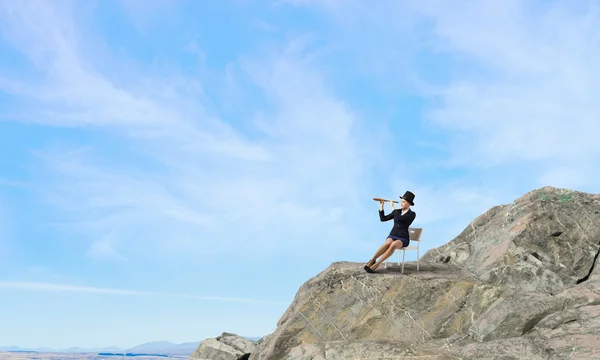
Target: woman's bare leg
x: 395, y: 245
x: 381, y: 250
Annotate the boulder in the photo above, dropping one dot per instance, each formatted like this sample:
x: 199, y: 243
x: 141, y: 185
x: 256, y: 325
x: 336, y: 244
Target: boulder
x: 227, y: 346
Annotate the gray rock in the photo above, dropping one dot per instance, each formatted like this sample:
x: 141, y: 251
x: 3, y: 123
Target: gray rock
x: 517, y: 244
x: 345, y: 304
x: 441, y: 311
x: 227, y: 346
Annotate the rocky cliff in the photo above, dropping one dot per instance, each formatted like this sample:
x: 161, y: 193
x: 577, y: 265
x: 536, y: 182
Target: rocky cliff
x: 518, y: 283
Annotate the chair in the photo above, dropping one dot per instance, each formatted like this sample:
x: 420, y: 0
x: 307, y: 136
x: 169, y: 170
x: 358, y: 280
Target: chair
x: 414, y: 234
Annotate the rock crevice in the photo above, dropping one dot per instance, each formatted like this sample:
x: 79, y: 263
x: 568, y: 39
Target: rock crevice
x: 592, y: 268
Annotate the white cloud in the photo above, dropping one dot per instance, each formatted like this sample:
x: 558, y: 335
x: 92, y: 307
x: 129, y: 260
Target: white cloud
x: 535, y: 100
x: 40, y: 286
x: 217, y: 189
x: 36, y: 286
x: 526, y: 104
x: 514, y: 83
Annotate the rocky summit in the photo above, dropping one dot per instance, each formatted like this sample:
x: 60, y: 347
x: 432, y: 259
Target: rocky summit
x: 519, y: 282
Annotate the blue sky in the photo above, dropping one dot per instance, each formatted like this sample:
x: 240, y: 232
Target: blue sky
x: 170, y: 170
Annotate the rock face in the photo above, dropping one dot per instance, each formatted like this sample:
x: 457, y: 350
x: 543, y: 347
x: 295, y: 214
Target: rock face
x: 225, y: 347
x: 518, y: 283
x: 544, y: 241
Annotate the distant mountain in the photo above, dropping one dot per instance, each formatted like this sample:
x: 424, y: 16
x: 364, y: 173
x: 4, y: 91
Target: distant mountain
x: 164, y: 347
x: 151, y: 347
x: 13, y: 348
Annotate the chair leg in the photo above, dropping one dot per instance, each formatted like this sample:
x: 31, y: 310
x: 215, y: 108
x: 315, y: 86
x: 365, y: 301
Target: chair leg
x: 403, y: 254
x: 418, y: 258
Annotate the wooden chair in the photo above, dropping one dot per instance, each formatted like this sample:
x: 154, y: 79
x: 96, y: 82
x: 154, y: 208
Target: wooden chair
x: 414, y: 235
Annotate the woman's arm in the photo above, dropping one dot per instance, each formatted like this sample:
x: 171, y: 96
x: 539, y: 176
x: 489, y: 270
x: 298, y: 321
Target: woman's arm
x: 411, y: 218
x: 383, y: 217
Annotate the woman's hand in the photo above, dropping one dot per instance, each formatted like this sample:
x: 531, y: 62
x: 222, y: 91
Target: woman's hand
x: 381, y: 205
x: 392, y: 204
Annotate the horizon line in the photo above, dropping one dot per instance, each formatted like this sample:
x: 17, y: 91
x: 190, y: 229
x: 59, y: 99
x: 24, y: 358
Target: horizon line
x: 96, y: 348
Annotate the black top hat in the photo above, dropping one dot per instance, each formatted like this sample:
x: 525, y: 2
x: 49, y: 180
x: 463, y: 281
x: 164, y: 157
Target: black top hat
x: 408, y: 196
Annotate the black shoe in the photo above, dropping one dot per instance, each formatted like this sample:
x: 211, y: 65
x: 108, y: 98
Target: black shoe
x: 369, y: 264
x: 368, y: 269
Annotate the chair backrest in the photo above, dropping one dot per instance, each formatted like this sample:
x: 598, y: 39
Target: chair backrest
x: 415, y: 233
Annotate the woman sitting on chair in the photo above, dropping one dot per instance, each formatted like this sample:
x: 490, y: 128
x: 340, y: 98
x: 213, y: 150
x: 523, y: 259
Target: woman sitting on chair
x: 398, y: 237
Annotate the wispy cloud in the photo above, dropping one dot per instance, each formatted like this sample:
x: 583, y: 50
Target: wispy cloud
x: 513, y: 84
x: 533, y: 96
x: 40, y: 286
x: 215, y: 183
x: 189, y: 179
x: 36, y: 286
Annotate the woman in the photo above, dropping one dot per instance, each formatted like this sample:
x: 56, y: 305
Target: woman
x: 398, y: 237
